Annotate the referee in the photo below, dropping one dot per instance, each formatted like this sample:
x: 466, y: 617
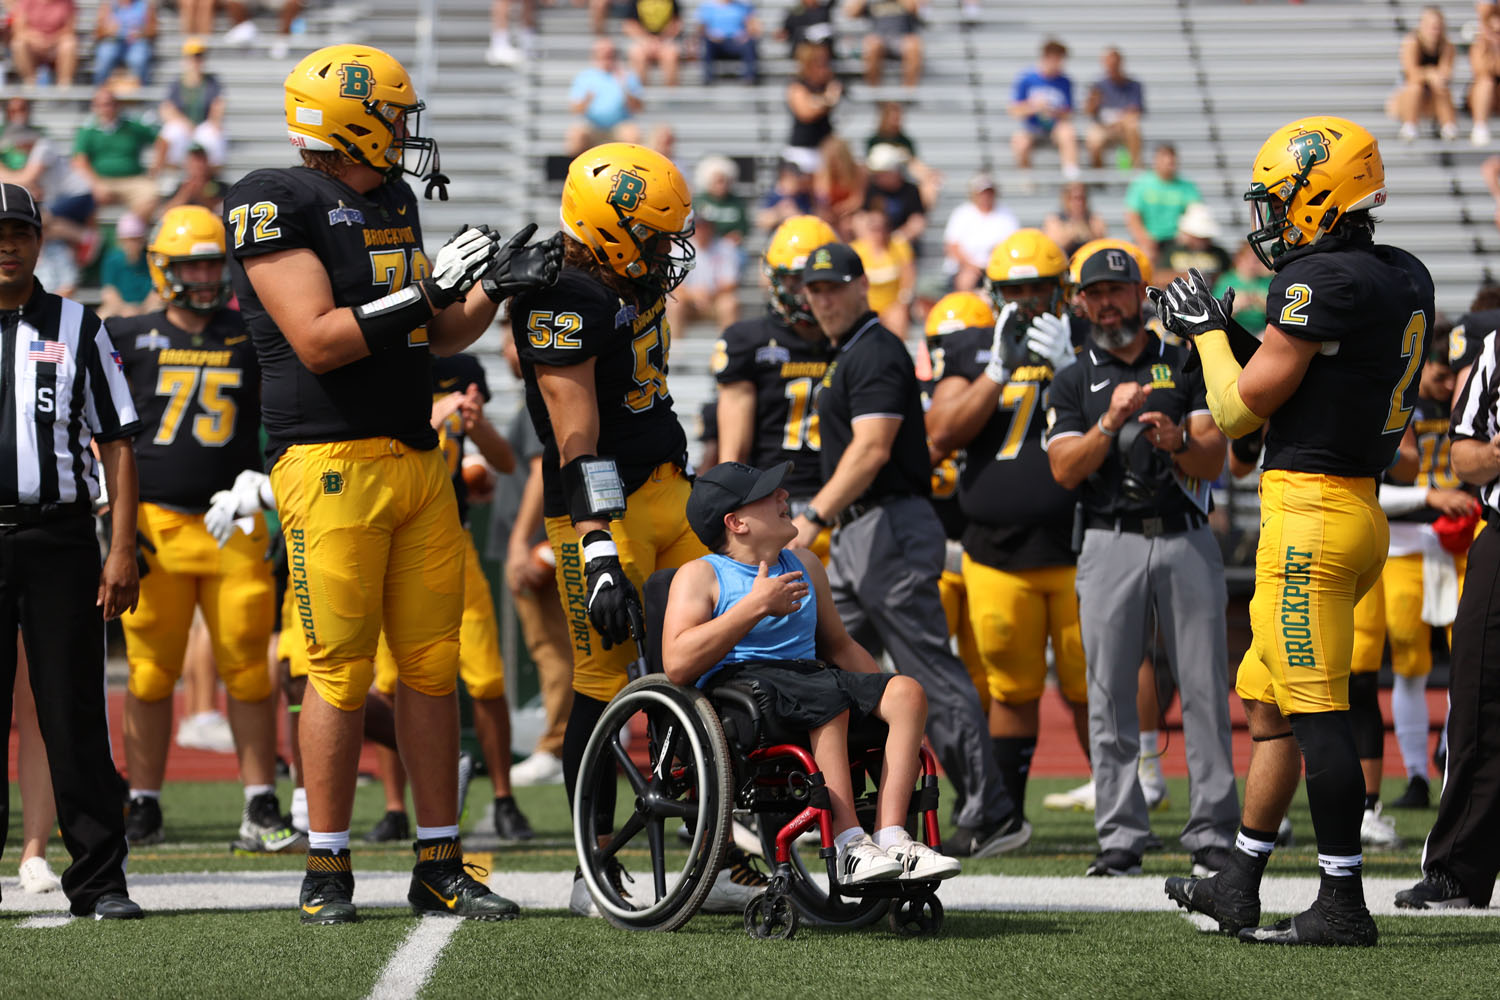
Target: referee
x: 1462, y: 854
x: 61, y: 390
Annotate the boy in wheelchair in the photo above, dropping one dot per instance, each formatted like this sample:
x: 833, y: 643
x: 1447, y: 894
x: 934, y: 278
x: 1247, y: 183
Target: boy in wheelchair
x: 755, y: 608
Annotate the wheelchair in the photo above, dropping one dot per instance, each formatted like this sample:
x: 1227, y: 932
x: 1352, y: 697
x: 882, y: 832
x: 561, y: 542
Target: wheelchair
x: 709, y: 756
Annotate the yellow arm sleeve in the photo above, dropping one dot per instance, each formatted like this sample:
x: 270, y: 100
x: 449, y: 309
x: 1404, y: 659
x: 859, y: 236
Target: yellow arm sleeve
x: 1221, y: 379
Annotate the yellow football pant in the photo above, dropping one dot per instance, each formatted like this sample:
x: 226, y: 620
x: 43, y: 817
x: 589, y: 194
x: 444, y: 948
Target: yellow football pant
x: 479, y: 661
x: 1393, y: 610
x: 652, y: 535
x: 372, y: 537
x: 1323, y: 541
x: 233, y: 586
x: 1011, y: 616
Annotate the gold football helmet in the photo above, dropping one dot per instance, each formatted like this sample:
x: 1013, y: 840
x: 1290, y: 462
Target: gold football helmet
x: 1308, y: 176
x: 631, y: 207
x: 1092, y: 247
x: 188, y: 233
x: 1027, y: 268
x: 793, y: 240
x: 360, y: 101
x: 959, y: 311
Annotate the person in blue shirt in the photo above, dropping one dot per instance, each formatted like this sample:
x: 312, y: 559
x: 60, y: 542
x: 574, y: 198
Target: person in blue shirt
x: 1115, y: 105
x: 730, y: 31
x: 608, y: 96
x: 756, y: 608
x: 1042, y: 101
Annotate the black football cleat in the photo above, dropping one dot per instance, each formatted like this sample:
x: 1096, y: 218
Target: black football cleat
x: 328, y: 889
x: 1231, y: 906
x: 116, y: 906
x: 511, y: 824
x: 1114, y: 863
x: 143, y: 821
x: 441, y: 883
x: 1437, y: 891
x: 1418, y: 795
x: 393, y: 826
x: 1320, y: 924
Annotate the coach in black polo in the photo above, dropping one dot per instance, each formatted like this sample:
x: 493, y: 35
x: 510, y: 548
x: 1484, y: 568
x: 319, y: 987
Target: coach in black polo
x: 1130, y: 427
x: 888, y: 546
x: 61, y: 387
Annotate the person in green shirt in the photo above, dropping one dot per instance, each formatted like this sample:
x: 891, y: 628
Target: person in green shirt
x: 1155, y: 200
x: 716, y: 201
x: 109, y: 151
x: 124, y: 279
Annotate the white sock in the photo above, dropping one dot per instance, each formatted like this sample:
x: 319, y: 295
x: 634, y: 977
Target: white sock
x: 847, y: 837
x: 334, y: 842
x: 1409, y: 713
x: 145, y: 793
x: 251, y: 791
x: 1148, y: 743
x: 888, y: 837
x: 437, y: 832
x: 299, y: 809
x: 499, y: 38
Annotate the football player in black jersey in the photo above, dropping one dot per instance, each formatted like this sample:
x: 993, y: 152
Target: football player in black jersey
x: 196, y: 384
x: 769, y: 370
x: 1018, y: 562
x: 593, y: 353
x: 1335, y: 370
x: 1466, y: 339
x: 345, y: 310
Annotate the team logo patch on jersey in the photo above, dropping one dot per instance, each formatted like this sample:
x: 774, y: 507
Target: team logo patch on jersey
x: 152, y: 341
x: 357, y: 79
x: 1161, y: 377
x: 628, y: 190
x: 333, y: 483
x: 626, y: 315
x: 345, y: 215
x: 772, y: 354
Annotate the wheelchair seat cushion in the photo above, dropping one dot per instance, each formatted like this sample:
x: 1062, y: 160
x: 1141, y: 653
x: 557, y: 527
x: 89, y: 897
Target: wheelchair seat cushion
x: 795, y: 696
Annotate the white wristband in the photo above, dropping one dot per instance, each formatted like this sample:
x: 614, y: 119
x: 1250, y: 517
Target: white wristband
x: 1105, y: 430
x: 998, y: 374
x: 602, y: 547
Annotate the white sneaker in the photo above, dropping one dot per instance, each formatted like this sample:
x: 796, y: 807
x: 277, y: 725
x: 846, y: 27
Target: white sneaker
x: 205, y: 731
x: 241, y: 34
x: 1377, y: 831
x: 1408, y: 132
x: 919, y: 862
x: 1449, y: 132
x: 541, y: 768
x: 37, y: 877
x: 1080, y: 799
x: 502, y: 53
x: 861, y: 861
x: 735, y: 886
x: 281, y: 47
x: 1153, y: 782
x: 1481, y: 135
x: 580, y: 903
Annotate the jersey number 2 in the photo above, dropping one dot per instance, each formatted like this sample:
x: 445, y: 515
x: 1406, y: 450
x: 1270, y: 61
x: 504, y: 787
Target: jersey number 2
x: 1411, y: 349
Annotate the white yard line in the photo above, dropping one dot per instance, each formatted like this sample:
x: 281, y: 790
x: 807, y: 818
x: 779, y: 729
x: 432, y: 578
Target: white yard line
x: 412, y: 964
x: 230, y: 890
x: 44, y: 921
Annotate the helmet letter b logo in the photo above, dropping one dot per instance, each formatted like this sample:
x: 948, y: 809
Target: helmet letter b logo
x: 357, y: 78
x: 628, y: 190
x: 1308, y: 148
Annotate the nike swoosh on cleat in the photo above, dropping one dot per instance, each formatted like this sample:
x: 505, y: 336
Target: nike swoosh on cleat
x: 447, y: 901
x: 313, y: 911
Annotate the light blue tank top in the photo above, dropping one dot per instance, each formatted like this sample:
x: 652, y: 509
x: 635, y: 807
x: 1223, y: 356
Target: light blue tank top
x: 788, y: 637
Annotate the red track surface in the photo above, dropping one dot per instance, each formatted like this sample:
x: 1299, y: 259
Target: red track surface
x: 1057, y: 755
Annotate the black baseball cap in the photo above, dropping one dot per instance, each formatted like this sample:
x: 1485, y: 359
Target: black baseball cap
x: 832, y: 262
x: 1108, y: 264
x: 727, y: 487
x: 17, y: 203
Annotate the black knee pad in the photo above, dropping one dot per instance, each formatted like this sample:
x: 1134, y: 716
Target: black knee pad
x: 1364, y: 716
x: 1335, y: 783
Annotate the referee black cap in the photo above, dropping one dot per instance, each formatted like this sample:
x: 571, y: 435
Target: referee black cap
x: 725, y: 488
x: 832, y: 262
x: 1109, y: 264
x: 17, y: 203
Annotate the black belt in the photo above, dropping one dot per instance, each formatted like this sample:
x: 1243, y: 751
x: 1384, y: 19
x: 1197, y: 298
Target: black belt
x: 855, y: 511
x: 43, y: 513
x: 1151, y: 527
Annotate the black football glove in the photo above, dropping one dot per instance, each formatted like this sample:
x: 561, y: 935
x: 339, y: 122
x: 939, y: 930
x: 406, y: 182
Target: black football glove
x: 1188, y: 308
x: 611, y: 599
x: 519, y: 268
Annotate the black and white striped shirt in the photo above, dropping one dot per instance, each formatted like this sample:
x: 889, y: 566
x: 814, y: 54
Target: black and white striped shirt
x: 1476, y: 414
x: 61, y: 385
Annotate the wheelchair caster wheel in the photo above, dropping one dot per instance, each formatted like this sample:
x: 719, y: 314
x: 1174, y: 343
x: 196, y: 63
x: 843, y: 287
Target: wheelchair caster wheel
x: 770, y: 918
x: 915, y: 917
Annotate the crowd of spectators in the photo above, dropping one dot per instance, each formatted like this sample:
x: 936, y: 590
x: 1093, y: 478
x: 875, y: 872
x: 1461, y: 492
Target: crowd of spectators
x: 1426, y: 92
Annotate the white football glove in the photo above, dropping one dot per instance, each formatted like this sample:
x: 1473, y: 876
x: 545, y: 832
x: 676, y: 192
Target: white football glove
x: 1051, y: 339
x: 998, y: 369
x: 460, y: 263
x: 236, y: 506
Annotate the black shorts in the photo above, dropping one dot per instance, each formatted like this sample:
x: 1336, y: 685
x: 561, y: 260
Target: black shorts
x: 805, y: 694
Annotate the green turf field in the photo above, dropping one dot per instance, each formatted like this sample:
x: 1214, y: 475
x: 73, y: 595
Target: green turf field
x: 210, y: 952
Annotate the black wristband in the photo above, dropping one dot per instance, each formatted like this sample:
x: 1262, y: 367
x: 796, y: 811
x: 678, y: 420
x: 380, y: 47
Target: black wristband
x: 387, y: 322
x: 811, y: 513
x: 1187, y: 440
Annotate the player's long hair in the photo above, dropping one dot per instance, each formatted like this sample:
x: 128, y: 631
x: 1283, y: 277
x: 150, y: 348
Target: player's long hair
x: 1356, y: 227
x: 324, y: 161
x: 577, y: 255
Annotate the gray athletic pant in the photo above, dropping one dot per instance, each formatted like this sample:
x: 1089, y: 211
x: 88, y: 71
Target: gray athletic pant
x: 1122, y: 577
x: 884, y: 568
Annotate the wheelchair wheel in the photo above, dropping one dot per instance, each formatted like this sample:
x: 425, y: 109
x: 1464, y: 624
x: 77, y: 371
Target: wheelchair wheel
x: 770, y: 918
x: 813, y: 889
x: 917, y: 916
x: 688, y: 780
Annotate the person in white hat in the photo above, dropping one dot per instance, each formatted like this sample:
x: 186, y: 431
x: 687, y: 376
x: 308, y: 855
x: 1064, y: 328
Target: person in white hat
x: 1194, y: 245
